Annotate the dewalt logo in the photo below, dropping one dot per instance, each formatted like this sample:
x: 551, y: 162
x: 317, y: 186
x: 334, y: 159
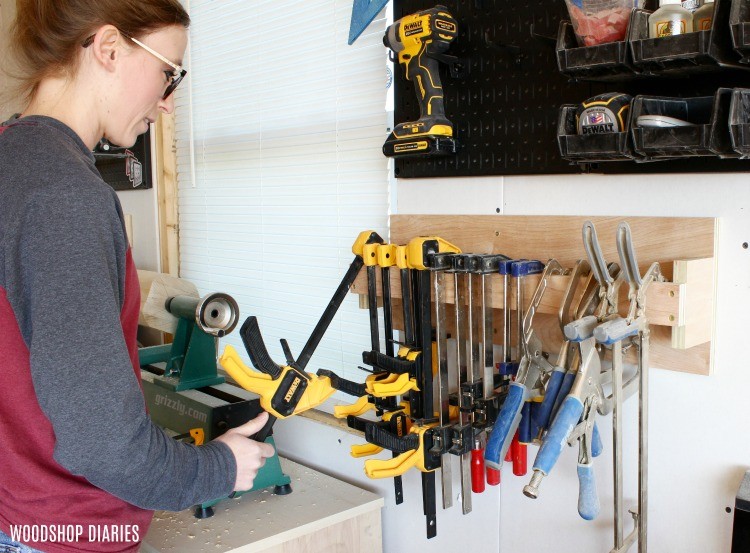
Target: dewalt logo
x: 292, y: 388
x: 413, y: 28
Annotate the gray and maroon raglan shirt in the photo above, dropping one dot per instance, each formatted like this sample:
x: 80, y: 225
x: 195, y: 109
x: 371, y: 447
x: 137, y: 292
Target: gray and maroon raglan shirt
x: 76, y: 443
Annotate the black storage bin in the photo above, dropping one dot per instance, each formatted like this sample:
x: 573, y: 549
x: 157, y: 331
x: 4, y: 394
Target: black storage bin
x: 125, y: 168
x: 739, y: 25
x: 741, y: 525
x: 604, y: 62
x: 707, y: 136
x: 696, y: 52
x: 739, y: 121
x: 591, y: 148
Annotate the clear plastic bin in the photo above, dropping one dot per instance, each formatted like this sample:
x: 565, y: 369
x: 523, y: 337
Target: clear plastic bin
x: 739, y: 121
x: 739, y: 24
x: 591, y: 148
x: 600, y: 21
x: 707, y: 135
x: 679, y: 55
x: 604, y: 62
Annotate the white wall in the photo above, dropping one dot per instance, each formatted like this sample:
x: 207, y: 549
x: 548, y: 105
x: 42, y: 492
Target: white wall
x: 140, y: 204
x: 699, y: 449
x: 9, y: 104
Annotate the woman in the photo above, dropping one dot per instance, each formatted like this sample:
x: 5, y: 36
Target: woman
x: 82, y: 466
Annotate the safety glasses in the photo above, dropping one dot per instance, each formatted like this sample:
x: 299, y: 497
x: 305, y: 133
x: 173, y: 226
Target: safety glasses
x: 174, y: 77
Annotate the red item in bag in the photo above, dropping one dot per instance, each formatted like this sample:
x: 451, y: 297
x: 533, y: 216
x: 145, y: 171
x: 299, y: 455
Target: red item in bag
x: 601, y: 27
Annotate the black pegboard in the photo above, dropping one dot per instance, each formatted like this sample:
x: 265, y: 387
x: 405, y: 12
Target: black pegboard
x: 505, y: 111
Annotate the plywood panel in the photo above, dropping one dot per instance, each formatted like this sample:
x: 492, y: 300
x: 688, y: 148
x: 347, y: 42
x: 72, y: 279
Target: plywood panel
x: 661, y: 239
x: 685, y: 305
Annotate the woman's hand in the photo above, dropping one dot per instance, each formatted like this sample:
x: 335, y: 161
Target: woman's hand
x: 249, y: 454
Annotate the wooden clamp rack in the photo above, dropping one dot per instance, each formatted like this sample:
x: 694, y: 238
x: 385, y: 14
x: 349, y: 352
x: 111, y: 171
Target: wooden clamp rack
x: 681, y: 310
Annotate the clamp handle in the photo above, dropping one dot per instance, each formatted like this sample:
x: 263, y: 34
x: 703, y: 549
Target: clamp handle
x: 581, y: 329
x: 543, y: 414
x: 627, y: 254
x: 360, y: 407
x: 393, y: 385
x: 364, y: 450
x: 615, y: 330
x: 389, y: 468
x: 393, y: 365
x: 349, y: 387
x: 594, y: 253
x: 256, y: 348
x: 565, y: 387
x: 377, y: 435
x: 596, y: 442
x: 505, y: 426
x: 413, y: 448
x: 557, y: 436
x: 588, y: 499
x: 525, y: 267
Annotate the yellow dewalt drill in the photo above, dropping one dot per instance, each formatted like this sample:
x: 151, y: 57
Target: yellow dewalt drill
x: 421, y: 40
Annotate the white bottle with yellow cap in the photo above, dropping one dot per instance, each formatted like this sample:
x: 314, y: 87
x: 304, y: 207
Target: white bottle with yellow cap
x: 669, y: 20
x: 703, y: 17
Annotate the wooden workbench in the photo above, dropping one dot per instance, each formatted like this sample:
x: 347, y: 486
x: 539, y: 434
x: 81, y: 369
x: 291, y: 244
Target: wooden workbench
x: 321, y: 515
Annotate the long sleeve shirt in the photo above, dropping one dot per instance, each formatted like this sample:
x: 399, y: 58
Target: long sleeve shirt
x: 76, y: 444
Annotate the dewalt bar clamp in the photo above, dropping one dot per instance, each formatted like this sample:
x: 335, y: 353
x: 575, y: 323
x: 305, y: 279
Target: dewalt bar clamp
x: 286, y: 390
x: 415, y: 449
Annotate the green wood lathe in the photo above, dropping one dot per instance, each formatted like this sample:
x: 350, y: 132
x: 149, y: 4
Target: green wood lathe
x: 184, y: 392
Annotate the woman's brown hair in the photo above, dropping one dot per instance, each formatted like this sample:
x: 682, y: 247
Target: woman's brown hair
x: 46, y: 35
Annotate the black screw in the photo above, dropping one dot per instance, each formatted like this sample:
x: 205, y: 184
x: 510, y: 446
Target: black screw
x: 744, y: 245
x: 497, y: 210
x: 728, y: 509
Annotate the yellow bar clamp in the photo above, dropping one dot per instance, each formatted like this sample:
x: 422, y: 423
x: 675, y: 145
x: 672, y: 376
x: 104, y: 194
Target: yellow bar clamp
x: 386, y: 254
x: 361, y: 241
x: 416, y: 255
x: 388, y: 468
x: 318, y: 388
x: 393, y: 385
x: 361, y: 406
x: 401, y: 257
x: 364, y: 450
x: 370, y: 254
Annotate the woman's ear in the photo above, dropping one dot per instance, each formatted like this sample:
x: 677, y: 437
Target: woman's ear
x: 107, y: 45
